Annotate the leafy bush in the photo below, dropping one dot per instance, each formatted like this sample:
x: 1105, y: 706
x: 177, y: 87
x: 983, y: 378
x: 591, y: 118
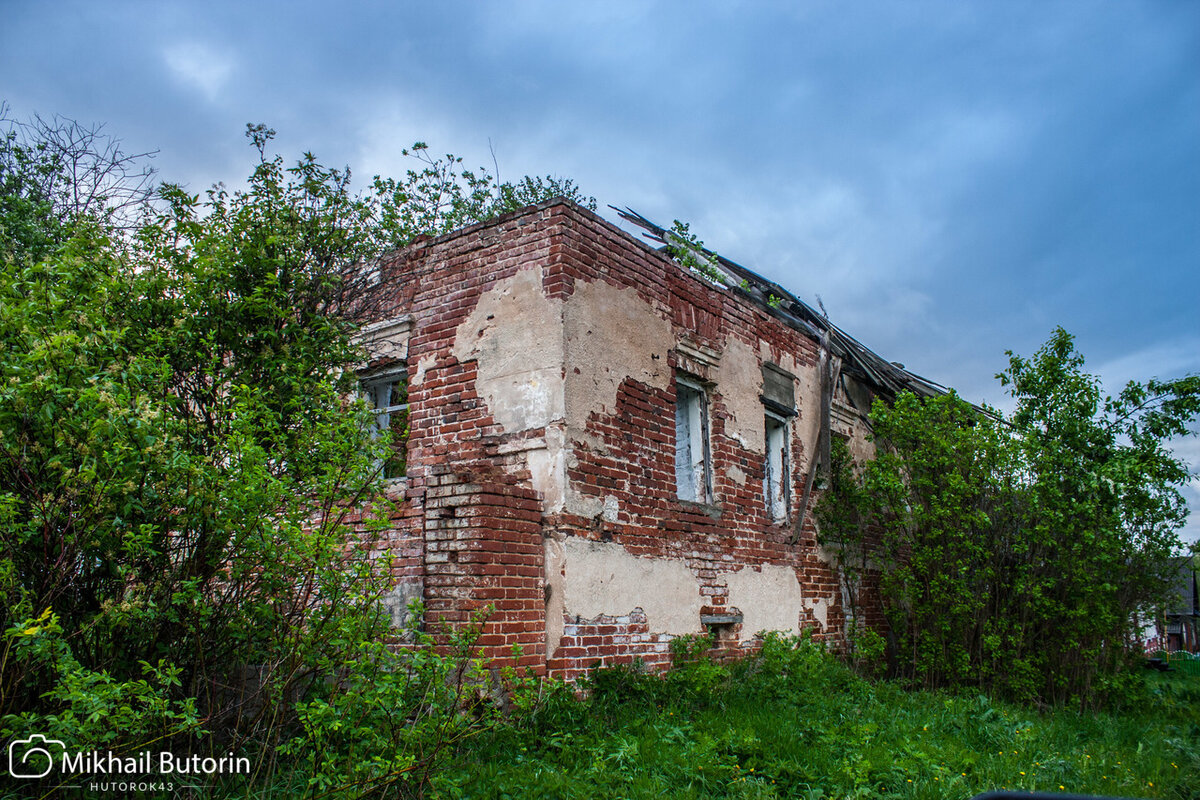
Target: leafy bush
x: 94, y: 710
x: 190, y: 497
x: 1015, y: 552
x: 387, y: 721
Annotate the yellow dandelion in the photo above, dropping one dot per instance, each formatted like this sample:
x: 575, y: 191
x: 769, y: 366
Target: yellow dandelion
x: 1060, y: 786
x: 1022, y: 773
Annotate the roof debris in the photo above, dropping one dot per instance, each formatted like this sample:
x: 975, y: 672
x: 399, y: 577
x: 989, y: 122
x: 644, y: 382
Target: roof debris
x: 857, y: 359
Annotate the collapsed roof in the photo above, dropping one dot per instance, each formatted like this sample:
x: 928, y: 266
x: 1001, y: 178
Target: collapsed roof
x: 857, y: 360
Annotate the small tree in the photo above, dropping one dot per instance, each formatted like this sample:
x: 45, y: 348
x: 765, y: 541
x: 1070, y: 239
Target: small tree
x: 180, y: 448
x: 1014, y: 552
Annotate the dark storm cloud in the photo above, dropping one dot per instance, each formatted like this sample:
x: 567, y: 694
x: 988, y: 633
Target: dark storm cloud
x: 953, y: 179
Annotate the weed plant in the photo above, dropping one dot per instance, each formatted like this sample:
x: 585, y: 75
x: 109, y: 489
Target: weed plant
x: 794, y: 722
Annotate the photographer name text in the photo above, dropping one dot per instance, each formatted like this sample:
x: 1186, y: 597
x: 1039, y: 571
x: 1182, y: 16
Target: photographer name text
x: 146, y: 762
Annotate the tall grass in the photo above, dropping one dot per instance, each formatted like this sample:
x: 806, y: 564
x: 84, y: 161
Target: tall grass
x: 793, y: 722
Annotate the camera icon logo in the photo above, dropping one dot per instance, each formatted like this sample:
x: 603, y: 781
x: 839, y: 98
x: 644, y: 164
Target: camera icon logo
x: 33, y: 757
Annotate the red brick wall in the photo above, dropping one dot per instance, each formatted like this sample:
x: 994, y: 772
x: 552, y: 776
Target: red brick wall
x: 478, y: 517
x: 474, y: 508
x: 642, y: 432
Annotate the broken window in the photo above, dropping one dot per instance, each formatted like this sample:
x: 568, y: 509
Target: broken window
x: 388, y: 396
x: 778, y: 472
x: 693, y: 462
x: 779, y: 403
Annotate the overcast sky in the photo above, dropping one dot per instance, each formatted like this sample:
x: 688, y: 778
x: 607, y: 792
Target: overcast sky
x: 953, y: 179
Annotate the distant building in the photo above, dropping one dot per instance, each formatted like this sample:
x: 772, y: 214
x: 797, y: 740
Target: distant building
x: 1177, y: 628
x: 609, y: 448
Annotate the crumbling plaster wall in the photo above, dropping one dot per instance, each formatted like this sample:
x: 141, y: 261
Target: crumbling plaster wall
x: 484, y: 394
x: 620, y: 437
x: 514, y: 334
x: 739, y: 382
x: 544, y: 356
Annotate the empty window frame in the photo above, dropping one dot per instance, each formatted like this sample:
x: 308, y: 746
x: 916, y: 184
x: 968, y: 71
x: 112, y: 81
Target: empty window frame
x: 777, y: 474
x: 387, y: 395
x: 779, y: 407
x: 693, y: 460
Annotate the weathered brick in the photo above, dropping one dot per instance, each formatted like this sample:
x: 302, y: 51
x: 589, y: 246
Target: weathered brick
x: 475, y: 525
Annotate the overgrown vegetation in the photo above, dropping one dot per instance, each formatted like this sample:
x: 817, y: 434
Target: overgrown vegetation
x: 794, y: 722
x: 180, y: 456
x: 179, y: 569
x: 1014, y: 551
x: 689, y: 252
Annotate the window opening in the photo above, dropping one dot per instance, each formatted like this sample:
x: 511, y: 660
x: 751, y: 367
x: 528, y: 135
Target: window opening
x: 693, y: 461
x: 388, y: 397
x: 777, y: 476
x: 779, y: 406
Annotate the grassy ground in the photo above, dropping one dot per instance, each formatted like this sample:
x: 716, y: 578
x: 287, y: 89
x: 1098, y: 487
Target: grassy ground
x: 794, y: 723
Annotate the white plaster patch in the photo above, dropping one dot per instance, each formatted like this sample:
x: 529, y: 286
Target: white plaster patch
x: 808, y: 403
x: 423, y: 366
x: 770, y: 599
x: 397, y: 601
x: 515, y: 336
x: 820, y: 609
x: 585, y: 505
x: 739, y: 380
x: 611, y: 334
x: 611, y: 508
x: 555, y: 560
x: 547, y: 469
x: 737, y: 475
x: 606, y: 579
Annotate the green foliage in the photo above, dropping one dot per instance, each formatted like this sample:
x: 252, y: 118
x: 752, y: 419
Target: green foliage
x: 178, y: 459
x: 391, y: 719
x: 189, y: 497
x: 54, y: 172
x: 791, y: 721
x: 1015, y: 552
x: 442, y: 196
x: 94, y: 710
x: 689, y: 252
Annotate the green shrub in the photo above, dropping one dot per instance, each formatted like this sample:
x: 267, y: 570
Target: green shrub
x: 1013, y: 552
x: 389, y: 721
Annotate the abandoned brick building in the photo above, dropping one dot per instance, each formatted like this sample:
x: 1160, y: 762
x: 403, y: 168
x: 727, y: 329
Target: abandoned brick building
x: 609, y: 448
